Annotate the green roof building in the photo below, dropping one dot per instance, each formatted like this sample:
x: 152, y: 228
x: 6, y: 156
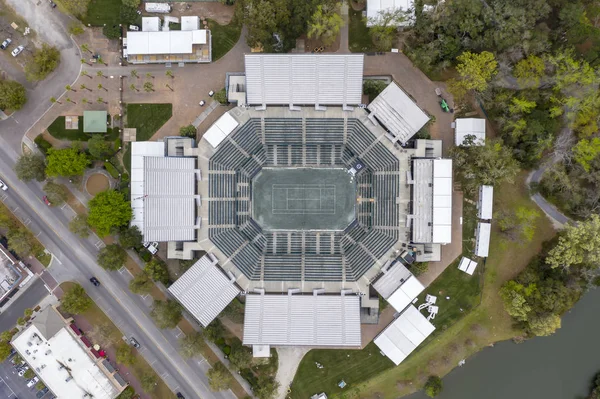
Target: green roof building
x: 94, y: 121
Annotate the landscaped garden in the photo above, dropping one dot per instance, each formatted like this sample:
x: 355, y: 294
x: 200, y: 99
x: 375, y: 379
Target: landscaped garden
x: 148, y: 118
x: 359, y: 38
x: 101, y: 12
x: 224, y: 37
x: 57, y: 130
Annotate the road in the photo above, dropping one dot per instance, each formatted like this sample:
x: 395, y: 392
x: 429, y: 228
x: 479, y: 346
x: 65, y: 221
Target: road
x: 33, y: 295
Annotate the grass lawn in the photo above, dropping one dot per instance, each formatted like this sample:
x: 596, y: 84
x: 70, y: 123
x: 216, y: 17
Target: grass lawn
x: 57, y: 130
x: 96, y: 317
x: 359, y: 39
x: 102, y: 12
x: 224, y: 37
x: 148, y: 118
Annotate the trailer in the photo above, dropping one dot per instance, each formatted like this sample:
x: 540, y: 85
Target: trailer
x: 163, y: 8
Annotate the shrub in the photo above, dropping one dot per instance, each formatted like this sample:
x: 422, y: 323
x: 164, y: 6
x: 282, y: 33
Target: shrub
x: 112, y: 31
x: 117, y: 144
x: 112, y: 170
x: 433, y: 386
x: 145, y: 255
x: 419, y: 268
x: 221, y: 96
x: 43, y: 144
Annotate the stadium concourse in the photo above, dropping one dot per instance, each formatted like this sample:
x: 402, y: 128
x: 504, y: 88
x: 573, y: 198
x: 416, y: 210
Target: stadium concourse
x: 304, y: 200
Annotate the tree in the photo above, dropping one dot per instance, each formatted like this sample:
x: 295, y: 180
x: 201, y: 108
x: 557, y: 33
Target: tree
x: 76, y: 29
x: 131, y: 3
x: 21, y: 321
x: 31, y: 167
x: 191, y: 345
x: 268, y: 23
x: 75, y: 300
x: 578, y: 245
x: 544, y: 325
x: 125, y: 355
x: 475, y: 70
x: 585, y: 151
x: 128, y: 393
x: 129, y: 15
x: 101, y: 87
x: 373, y: 87
x: 108, y: 209
x: 214, y: 330
x: 45, y: 60
x: 148, y: 382
x: 266, y: 387
x: 131, y: 237
x: 132, y: 87
x: 325, y: 23
x: 188, y: 131
x: 5, y: 350
x: 221, y: 97
x: 79, y: 225
x: 433, y: 386
x: 166, y: 314
x: 19, y: 240
x: 148, y: 87
x: 169, y: 74
x: 12, y: 95
x: 157, y: 271
x: 219, y: 378
x: 518, y: 225
x: 384, y: 27
x: 111, y: 31
x: 240, y: 356
x: 530, y: 70
x: 99, y: 148
x: 40, y: 385
x: 112, y: 257
x: 29, y: 374
x: 57, y: 194
x: 141, y: 284
x: 6, y: 336
x: 66, y: 162
x: 514, y: 295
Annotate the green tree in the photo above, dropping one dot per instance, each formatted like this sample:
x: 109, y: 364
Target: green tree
x: 131, y: 237
x: 384, y: 27
x: 131, y: 3
x: 6, y: 336
x: 99, y: 148
x: 29, y: 374
x: 585, y: 151
x: 544, y: 324
x: 475, y: 70
x: 166, y: 314
x: 21, y: 321
x: 191, y: 345
x: 149, y: 382
x: 112, y: 31
x: 5, y: 349
x: 129, y: 15
x: 28, y: 312
x: 266, y: 388
x: 125, y: 355
x: 373, y: 87
x: 66, y: 162
x: 57, y: 193
x: 219, y: 378
x: 514, y: 295
x: 264, y: 19
x: 108, y: 209
x: 40, y: 385
x: 157, y: 270
x: 188, y: 131
x: 20, y: 241
x: 75, y: 300
x: 221, y: 97
x: 578, y: 245
x: 530, y: 70
x: 45, y: 60
x: 325, y: 23
x: 240, y: 356
x: 518, y: 225
x: 79, y: 225
x: 12, y: 95
x: 214, y: 330
x: 31, y: 167
x: 141, y: 284
x: 112, y: 257
x: 128, y: 393
x: 148, y: 87
x: 433, y: 386
x: 76, y: 29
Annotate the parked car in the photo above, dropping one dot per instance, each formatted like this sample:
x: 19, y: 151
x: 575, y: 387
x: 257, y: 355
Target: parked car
x: 95, y: 281
x: 52, y: 4
x: 211, y: 93
x: 153, y: 248
x: 17, y: 51
x: 134, y: 27
x: 3, y: 186
x: 180, y: 396
x: 22, y: 370
x: 139, y: 12
x: 201, y: 103
x: 5, y: 44
x: 134, y: 342
x: 46, y: 200
x: 32, y: 382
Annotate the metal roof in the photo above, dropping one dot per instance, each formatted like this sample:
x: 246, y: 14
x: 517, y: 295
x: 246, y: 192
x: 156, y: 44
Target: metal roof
x: 302, y: 320
x: 220, y: 129
x: 482, y: 239
x: 164, y: 42
x: 404, y: 334
x: 302, y: 79
x: 48, y: 322
x: 398, y: 113
x: 204, y: 290
x: 94, y: 121
x: 486, y: 202
x: 469, y: 127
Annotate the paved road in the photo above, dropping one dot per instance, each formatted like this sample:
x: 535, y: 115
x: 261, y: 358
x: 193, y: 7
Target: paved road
x: 28, y: 299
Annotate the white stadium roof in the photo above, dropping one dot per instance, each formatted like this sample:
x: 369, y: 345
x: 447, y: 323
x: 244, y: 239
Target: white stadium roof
x: 404, y: 335
x: 164, y: 42
x: 398, y: 113
x: 482, y: 239
x: 302, y: 79
x: 220, y: 130
x: 204, y: 290
x: 486, y: 202
x: 162, y: 193
x: 398, y: 286
x: 375, y: 6
x: 469, y: 127
x: 302, y: 320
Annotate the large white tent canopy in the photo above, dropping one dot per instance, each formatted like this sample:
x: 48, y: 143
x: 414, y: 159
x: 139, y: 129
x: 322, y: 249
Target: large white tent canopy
x: 486, y: 202
x: 474, y: 127
x: 482, y: 239
x: 164, y: 42
x: 220, y: 130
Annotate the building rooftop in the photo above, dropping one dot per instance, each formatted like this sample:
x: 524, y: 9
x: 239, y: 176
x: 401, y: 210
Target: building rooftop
x: 482, y: 239
x: 205, y: 290
x: 486, y: 202
x: 191, y: 22
x: 94, y: 121
x: 375, y: 6
x: 60, y: 360
x: 150, y: 24
x: 473, y: 127
x: 398, y: 286
x: 304, y: 79
x: 220, y: 130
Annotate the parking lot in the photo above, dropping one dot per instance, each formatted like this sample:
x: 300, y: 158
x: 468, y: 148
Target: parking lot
x: 12, y: 386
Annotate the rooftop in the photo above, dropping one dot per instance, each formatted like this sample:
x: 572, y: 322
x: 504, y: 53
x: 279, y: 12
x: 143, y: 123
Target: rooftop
x: 472, y: 128
x: 94, y: 121
x: 375, y: 6
x: 398, y: 286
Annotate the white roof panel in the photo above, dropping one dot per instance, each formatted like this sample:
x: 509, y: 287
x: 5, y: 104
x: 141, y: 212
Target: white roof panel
x: 190, y: 22
x: 164, y: 42
x: 398, y: 113
x: 482, y: 239
x: 199, y: 36
x: 220, y: 129
x: 469, y: 127
x: 406, y: 293
x: 150, y: 24
x: 375, y: 6
x: 486, y: 202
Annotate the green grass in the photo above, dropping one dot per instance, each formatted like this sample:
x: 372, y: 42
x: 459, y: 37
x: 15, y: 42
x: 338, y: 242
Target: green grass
x: 359, y: 39
x: 102, y: 12
x: 352, y: 366
x: 44, y: 259
x: 127, y: 158
x: 58, y: 131
x: 148, y: 118
x: 224, y: 37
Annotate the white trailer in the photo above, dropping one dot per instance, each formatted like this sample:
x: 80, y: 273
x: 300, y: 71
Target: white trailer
x: 163, y: 8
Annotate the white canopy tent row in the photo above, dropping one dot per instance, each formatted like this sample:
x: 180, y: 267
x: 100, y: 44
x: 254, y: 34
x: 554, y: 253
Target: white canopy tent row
x: 467, y: 265
x: 397, y: 285
x: 486, y: 202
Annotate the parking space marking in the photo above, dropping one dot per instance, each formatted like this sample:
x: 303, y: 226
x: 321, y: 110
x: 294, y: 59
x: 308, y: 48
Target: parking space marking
x: 179, y: 332
x: 99, y: 244
x: 4, y: 196
x: 9, y: 388
x: 27, y: 222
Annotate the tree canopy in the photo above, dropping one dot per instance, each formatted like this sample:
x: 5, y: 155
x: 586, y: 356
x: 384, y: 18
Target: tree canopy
x: 12, y: 95
x: 45, y: 60
x: 191, y: 345
x: 75, y: 300
x: 125, y: 355
x: 166, y: 314
x: 31, y: 167
x: 141, y: 284
x: 79, y: 225
x: 578, y: 245
x: 112, y: 257
x: 99, y: 148
x: 188, y: 131
x: 433, y: 386
x: 157, y: 270
x: 66, y: 162
x: 57, y: 194
x: 108, y: 209
x: 130, y: 237
x: 219, y: 378
x: 20, y: 241
x: 325, y: 23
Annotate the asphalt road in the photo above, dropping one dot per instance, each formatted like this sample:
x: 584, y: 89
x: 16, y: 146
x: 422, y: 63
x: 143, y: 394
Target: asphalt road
x: 32, y: 295
x: 544, y: 205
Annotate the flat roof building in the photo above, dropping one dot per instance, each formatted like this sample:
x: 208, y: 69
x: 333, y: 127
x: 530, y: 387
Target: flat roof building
x: 400, y: 115
x: 94, y: 121
x: 469, y: 128
x: 62, y: 362
x: 486, y: 202
x: 220, y: 130
x: 150, y: 24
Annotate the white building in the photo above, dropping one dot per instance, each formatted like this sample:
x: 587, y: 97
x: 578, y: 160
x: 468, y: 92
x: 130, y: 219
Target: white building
x: 62, y: 362
x: 375, y: 7
x: 473, y: 128
x: 486, y: 202
x: 482, y: 239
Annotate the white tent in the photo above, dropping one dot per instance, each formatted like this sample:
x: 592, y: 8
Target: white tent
x: 486, y: 202
x: 469, y: 127
x: 442, y: 201
x: 482, y: 239
x: 220, y: 129
x: 374, y: 7
x: 467, y: 265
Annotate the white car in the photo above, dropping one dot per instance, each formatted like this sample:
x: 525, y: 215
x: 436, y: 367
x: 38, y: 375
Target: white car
x: 153, y: 248
x: 134, y: 27
x: 211, y: 93
x: 17, y: 51
x: 23, y: 370
x: 201, y: 103
x: 32, y: 382
x: 3, y: 185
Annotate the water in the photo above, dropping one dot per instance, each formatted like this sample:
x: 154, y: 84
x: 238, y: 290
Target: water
x: 557, y: 367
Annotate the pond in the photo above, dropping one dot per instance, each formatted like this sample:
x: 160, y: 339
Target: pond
x: 561, y: 366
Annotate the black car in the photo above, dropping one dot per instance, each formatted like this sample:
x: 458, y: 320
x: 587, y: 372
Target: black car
x: 180, y: 396
x: 95, y: 281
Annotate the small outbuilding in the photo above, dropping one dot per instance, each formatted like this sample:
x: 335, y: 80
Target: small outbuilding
x: 473, y: 128
x: 94, y: 121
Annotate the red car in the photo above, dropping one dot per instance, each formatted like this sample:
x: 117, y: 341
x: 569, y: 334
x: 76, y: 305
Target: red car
x: 46, y: 201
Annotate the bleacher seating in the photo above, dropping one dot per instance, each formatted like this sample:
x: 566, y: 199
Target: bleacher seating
x: 248, y: 261
x: 324, y: 130
x: 284, y: 130
x: 248, y: 136
x: 282, y: 268
x: 358, y: 261
x: 323, y: 268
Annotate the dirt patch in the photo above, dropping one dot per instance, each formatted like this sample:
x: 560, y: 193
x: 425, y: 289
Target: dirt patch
x: 213, y: 10
x: 357, y: 5
x: 96, y: 183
